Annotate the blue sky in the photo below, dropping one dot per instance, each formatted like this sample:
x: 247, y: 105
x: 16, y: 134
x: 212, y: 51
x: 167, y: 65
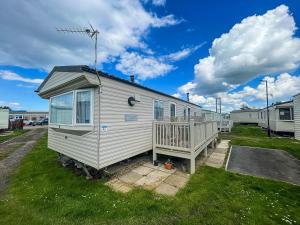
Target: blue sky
x: 208, y: 48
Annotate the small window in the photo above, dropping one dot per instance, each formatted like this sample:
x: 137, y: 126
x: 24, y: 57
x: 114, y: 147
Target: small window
x: 158, y: 110
x: 61, y: 108
x: 285, y: 114
x: 189, y: 114
x: 172, y: 110
x: 83, y: 107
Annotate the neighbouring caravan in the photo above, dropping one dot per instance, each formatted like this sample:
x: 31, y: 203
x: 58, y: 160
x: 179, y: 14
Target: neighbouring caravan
x: 245, y: 116
x: 4, y: 118
x: 297, y: 116
x: 100, y: 124
x: 281, y: 117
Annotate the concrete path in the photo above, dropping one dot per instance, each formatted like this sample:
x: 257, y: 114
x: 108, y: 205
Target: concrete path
x: 150, y: 177
x: 216, y: 159
x: 17, y: 149
x: 262, y: 162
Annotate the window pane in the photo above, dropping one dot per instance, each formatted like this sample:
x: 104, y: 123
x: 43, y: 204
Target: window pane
x: 83, y: 107
x: 61, y: 109
x: 158, y: 110
x: 284, y: 114
x: 172, y: 110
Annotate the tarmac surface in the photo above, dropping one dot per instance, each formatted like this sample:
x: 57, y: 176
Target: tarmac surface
x: 262, y: 162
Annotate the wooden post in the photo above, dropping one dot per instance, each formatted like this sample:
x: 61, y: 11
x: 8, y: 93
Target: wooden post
x: 154, y: 141
x: 192, y: 147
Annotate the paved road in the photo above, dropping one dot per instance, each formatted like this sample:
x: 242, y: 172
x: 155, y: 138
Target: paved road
x: 18, y: 147
x: 269, y: 163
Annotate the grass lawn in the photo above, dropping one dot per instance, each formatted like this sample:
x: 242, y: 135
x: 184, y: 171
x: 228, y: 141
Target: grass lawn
x: 12, y: 135
x: 247, y: 135
x: 43, y: 192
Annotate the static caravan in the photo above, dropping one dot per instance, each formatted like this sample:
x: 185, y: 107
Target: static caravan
x: 99, y: 119
x: 28, y: 115
x: 4, y: 118
x: 296, y: 102
x: 281, y: 117
x: 245, y: 116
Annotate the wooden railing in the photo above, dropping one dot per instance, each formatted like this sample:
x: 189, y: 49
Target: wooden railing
x: 225, y: 124
x: 183, y: 136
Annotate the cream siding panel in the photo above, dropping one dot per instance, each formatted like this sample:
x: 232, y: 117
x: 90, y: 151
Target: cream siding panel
x: 297, y: 116
x: 4, y: 117
x: 58, y: 78
x: 125, y: 139
x: 83, y: 148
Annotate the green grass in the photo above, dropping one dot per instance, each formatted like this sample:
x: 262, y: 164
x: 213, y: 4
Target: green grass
x: 43, y: 192
x: 12, y: 135
x: 254, y: 136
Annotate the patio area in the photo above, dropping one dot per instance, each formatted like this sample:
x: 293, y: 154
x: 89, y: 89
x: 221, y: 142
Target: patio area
x: 150, y: 177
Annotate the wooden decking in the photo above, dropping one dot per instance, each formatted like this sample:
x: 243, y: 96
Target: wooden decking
x: 183, y: 139
x: 225, y: 125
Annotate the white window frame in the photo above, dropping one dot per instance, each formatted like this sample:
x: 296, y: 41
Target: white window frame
x: 170, y: 108
x: 73, y: 124
x: 153, y: 108
x: 91, y: 107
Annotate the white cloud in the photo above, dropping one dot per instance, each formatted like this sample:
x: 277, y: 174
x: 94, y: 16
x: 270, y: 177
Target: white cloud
x: 259, y: 45
x: 29, y: 38
x: 156, y: 2
x: 159, y: 2
x: 8, y: 75
x: 26, y: 86
x: 149, y: 66
x: 179, y: 55
x: 12, y: 105
x: 146, y: 67
x: 281, y: 88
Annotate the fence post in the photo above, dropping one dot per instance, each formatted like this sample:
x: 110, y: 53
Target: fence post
x: 192, y: 147
x: 154, y: 141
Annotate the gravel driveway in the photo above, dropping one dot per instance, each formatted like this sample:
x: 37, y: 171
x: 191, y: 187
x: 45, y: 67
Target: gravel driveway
x: 18, y: 147
x: 261, y: 162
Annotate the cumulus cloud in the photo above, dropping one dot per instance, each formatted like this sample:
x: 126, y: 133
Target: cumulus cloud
x: 159, y: 2
x: 281, y: 88
x: 145, y: 67
x: 29, y: 39
x: 258, y: 45
x: 183, y: 53
x: 8, y: 75
x: 149, y: 66
x: 12, y: 105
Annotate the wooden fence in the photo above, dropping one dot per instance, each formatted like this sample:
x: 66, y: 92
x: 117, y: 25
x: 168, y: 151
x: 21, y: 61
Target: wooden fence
x: 183, y: 136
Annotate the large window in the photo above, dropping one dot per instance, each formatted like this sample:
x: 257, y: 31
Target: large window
x: 172, y: 110
x: 83, y: 107
x: 158, y: 110
x: 286, y: 114
x: 77, y: 103
x: 61, y: 109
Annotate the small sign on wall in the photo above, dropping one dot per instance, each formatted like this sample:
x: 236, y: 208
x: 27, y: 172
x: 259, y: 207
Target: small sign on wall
x: 104, y: 128
x: 131, y: 117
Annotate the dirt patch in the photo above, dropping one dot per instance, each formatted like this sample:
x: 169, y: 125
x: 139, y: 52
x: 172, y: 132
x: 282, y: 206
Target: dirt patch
x: 14, y: 150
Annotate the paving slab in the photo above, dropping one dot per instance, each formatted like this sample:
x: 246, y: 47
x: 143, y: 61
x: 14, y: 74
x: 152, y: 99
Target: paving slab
x: 179, y: 173
x: 176, y: 181
x: 152, y: 180
x: 166, y: 189
x: 216, y: 165
x: 221, y: 150
x: 261, y: 162
x: 142, y: 170
x: 130, y: 177
x: 118, y: 185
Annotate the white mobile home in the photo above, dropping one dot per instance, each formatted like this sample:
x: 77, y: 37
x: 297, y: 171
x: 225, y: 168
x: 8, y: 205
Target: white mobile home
x: 296, y: 102
x: 4, y: 118
x: 99, y: 119
x: 245, y: 116
x: 281, y: 117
